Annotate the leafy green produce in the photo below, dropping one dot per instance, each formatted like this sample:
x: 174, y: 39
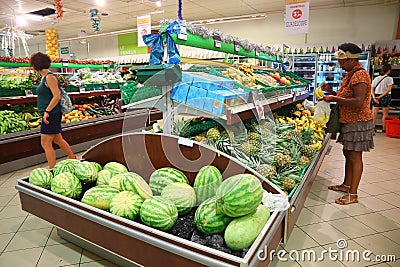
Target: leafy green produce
x: 10, y: 122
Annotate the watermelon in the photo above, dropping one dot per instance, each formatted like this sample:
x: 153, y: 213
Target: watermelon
x: 134, y: 182
x: 98, y: 166
x: 160, y: 178
x: 86, y: 172
x: 239, y: 195
x: 208, y: 220
x: 41, y: 177
x: 159, y: 213
x: 66, y: 165
x: 100, y: 196
x: 206, y: 183
x: 103, y: 177
x: 126, y: 204
x: 66, y: 184
x: 115, y: 168
x: 182, y: 195
x: 115, y: 181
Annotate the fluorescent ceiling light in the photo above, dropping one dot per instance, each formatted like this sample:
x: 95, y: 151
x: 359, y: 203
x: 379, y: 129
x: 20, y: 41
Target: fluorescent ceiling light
x: 230, y: 19
x: 21, y: 21
x: 158, y: 3
x: 100, y: 2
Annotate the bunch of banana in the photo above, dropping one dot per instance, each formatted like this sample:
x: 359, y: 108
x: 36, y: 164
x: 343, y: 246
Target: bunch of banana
x: 318, y: 92
x: 32, y: 120
x: 240, y: 77
x: 10, y: 122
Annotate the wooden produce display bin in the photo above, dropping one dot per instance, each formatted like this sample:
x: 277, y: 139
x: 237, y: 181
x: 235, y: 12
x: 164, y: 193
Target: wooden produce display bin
x: 129, y: 241
x: 299, y: 197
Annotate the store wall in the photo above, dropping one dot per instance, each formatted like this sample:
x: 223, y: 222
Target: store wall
x: 327, y: 26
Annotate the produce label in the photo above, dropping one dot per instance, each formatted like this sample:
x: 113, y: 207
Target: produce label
x: 297, y: 13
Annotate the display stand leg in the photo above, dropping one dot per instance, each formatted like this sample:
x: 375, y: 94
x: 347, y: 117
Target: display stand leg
x: 168, y: 115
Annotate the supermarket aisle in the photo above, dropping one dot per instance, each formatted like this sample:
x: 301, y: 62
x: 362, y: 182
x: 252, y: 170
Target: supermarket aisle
x: 372, y: 224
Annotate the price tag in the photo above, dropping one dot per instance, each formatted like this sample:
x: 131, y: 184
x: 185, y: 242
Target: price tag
x: 257, y: 104
x: 217, y: 41
x: 236, y: 47
x: 185, y: 142
x: 64, y: 63
x: 82, y: 90
x: 257, y: 53
x: 182, y: 35
x: 105, y: 65
x: 28, y: 92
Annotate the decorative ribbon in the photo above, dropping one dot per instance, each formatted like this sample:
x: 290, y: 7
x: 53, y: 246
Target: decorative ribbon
x: 155, y: 41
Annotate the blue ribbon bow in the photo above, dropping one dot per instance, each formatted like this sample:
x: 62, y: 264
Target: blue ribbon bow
x: 156, y: 42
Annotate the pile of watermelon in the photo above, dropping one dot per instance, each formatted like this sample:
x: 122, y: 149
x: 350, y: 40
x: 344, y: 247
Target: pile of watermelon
x: 231, y: 208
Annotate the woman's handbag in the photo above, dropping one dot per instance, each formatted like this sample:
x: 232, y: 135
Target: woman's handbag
x: 333, y: 125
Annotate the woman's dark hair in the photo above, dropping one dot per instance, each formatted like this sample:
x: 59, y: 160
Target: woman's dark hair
x: 350, y: 47
x: 385, y: 68
x: 40, y: 61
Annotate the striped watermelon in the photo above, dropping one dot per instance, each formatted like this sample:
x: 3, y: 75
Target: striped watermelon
x: 134, y: 182
x: 239, y: 195
x: 160, y: 178
x: 66, y: 165
x: 103, y: 177
x: 100, y: 196
x: 41, y: 177
x: 159, y: 213
x: 115, y: 181
x: 66, y: 184
x: 115, y: 168
x: 208, y: 220
x: 98, y: 166
x: 126, y: 204
x: 182, y: 195
x: 206, y: 183
x: 86, y: 172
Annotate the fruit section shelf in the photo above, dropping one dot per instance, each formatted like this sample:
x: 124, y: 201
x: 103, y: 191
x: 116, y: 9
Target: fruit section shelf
x: 110, y: 234
x: 32, y: 99
x: 53, y: 65
x: 18, y: 150
x: 233, y: 115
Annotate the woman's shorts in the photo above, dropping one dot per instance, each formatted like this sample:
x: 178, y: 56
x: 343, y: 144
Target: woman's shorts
x: 384, y: 102
x: 54, y: 127
x: 357, y: 136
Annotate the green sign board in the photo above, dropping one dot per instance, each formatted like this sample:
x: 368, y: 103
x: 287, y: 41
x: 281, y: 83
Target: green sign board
x: 64, y: 50
x: 128, y: 45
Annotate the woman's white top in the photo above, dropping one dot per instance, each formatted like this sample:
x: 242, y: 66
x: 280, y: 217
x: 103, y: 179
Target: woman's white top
x: 383, y: 85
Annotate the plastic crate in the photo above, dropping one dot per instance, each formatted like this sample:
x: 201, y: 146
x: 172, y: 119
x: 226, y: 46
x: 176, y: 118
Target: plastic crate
x: 94, y: 87
x: 392, y: 127
x: 11, y: 92
x: 71, y: 88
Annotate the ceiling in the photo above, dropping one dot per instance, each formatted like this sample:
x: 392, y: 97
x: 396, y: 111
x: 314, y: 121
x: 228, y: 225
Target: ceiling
x: 122, y: 13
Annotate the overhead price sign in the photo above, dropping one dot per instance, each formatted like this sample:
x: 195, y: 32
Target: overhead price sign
x: 297, y: 14
x: 143, y: 28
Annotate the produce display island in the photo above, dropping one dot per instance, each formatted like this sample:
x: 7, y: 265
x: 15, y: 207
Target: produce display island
x: 93, y: 229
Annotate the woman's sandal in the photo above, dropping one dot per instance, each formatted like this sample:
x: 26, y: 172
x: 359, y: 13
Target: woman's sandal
x: 339, y: 188
x: 346, y: 199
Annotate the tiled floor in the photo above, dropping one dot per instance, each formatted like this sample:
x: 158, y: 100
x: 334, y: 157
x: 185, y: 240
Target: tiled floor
x: 372, y: 224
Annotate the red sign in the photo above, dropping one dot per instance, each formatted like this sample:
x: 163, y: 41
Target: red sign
x: 296, y: 14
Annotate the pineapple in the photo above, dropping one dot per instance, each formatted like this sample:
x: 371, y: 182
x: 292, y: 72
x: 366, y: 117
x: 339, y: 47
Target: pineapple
x: 254, y: 136
x: 281, y: 160
x: 303, y: 161
x: 287, y: 134
x: 213, y: 134
x: 288, y: 184
x: 308, y: 150
x: 249, y: 149
x: 200, y: 138
x: 266, y: 170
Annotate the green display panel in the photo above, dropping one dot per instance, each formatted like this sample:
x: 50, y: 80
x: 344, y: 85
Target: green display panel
x: 128, y: 45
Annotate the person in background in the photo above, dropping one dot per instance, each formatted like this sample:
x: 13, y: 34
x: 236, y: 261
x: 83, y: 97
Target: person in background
x: 381, y: 88
x: 355, y: 115
x: 48, y: 98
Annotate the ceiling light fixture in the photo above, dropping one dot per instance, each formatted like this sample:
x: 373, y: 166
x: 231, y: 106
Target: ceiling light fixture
x: 100, y: 2
x: 158, y: 4
x: 230, y: 19
x: 20, y: 21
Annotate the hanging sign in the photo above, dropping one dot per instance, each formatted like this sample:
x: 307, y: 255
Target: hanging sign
x: 143, y: 28
x: 297, y: 13
x: 217, y: 41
